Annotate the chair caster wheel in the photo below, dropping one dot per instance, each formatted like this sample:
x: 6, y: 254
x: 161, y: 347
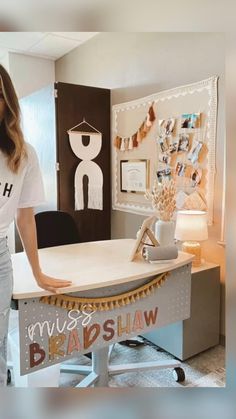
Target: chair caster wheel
x: 178, y: 374
x: 8, y: 377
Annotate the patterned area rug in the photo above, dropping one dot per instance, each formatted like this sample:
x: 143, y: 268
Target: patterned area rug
x: 204, y: 370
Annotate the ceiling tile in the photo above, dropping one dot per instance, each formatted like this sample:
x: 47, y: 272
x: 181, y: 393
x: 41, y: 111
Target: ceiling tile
x: 20, y: 41
x: 52, y: 46
x: 79, y: 36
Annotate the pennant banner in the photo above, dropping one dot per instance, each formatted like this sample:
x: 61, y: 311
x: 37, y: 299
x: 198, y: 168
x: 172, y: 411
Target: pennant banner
x: 127, y: 144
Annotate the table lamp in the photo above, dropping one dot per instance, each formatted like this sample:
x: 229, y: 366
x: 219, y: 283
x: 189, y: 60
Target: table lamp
x: 191, y: 227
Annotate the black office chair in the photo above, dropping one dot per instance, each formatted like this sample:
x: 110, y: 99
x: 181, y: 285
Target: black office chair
x: 55, y: 228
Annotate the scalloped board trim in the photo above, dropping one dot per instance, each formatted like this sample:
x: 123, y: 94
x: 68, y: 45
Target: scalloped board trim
x: 211, y: 85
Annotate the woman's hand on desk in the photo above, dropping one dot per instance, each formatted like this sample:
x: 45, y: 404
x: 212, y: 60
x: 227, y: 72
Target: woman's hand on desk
x: 51, y: 284
x: 27, y: 229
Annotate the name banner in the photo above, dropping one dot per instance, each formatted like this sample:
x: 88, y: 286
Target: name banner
x: 50, y: 334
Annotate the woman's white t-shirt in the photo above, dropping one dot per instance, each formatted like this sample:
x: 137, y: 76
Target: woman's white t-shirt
x: 19, y: 190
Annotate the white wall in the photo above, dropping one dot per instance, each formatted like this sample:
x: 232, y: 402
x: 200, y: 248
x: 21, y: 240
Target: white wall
x: 5, y: 61
x: 231, y: 201
x: 133, y: 65
x: 28, y: 74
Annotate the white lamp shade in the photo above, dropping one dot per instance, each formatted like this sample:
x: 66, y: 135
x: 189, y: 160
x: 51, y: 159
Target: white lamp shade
x: 191, y: 225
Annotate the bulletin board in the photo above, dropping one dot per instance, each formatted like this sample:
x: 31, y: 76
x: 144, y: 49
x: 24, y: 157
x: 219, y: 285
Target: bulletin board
x: 172, y: 134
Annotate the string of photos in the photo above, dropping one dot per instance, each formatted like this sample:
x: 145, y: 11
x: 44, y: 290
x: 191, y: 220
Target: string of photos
x: 182, y: 155
x: 129, y: 143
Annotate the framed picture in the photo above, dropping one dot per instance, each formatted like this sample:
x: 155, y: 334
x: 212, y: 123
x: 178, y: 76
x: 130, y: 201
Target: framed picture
x: 134, y: 176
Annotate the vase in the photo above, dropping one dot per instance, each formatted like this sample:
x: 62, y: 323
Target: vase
x: 165, y: 232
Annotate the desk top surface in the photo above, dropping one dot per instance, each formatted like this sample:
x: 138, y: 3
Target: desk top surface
x: 88, y: 265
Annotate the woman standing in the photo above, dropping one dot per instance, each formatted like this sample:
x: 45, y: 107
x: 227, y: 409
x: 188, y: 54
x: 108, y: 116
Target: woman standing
x: 21, y: 189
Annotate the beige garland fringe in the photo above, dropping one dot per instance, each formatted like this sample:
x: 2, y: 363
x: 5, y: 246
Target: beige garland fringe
x: 126, y: 144
x: 106, y: 303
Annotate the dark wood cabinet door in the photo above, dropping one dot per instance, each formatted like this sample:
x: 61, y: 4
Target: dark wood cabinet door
x: 73, y: 104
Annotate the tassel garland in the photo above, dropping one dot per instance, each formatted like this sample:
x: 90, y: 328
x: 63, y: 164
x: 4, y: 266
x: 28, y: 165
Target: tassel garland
x: 106, y: 303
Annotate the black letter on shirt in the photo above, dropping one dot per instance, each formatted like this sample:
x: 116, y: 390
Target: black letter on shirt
x: 6, y: 189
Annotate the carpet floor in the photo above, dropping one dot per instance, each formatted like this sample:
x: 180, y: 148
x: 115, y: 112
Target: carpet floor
x: 204, y: 370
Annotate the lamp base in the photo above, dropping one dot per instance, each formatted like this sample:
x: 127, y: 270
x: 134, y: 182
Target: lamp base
x: 193, y: 248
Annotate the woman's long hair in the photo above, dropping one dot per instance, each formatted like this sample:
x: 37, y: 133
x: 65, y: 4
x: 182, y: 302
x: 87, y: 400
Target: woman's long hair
x: 12, y: 142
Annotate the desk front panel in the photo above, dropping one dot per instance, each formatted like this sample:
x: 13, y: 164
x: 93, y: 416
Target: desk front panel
x: 51, y: 334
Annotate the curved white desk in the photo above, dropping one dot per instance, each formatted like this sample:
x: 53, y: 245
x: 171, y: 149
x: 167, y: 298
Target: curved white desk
x: 97, y: 269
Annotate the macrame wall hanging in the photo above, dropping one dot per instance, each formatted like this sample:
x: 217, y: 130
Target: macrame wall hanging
x: 126, y: 144
x: 105, y: 303
x: 87, y: 166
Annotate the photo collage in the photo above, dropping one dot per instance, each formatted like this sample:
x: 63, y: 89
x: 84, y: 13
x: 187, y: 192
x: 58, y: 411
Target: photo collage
x: 180, y: 150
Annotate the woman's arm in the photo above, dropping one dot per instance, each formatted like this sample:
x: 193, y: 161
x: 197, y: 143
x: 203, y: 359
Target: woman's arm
x: 27, y: 229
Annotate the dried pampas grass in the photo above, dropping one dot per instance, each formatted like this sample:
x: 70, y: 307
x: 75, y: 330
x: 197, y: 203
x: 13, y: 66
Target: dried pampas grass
x: 163, y: 199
